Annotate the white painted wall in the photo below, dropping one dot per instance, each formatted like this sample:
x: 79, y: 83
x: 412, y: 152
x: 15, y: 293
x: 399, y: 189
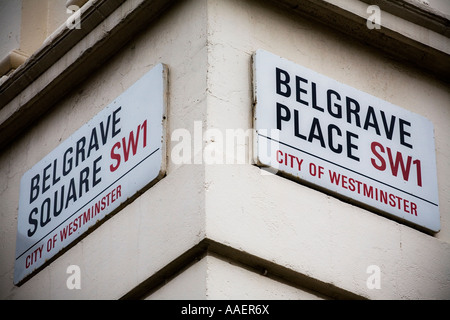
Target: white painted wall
x: 441, y: 6
x: 300, y: 228
x: 207, y: 45
x: 216, y: 279
x: 10, y: 20
x: 161, y: 224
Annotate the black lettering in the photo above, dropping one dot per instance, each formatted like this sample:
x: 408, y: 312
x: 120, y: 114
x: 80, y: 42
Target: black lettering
x: 297, y: 126
x: 116, y: 120
x: 55, y: 177
x: 404, y: 133
x: 300, y: 90
x: 71, y: 193
x: 338, y: 113
x: 103, y: 131
x: 315, y: 127
x: 80, y: 151
x: 371, y: 120
x: 314, y: 97
x: 84, y: 180
x: 56, y: 210
x: 96, y: 170
x: 67, y: 164
x: 332, y: 127
x: 283, y: 82
x: 45, y: 213
x: 32, y: 221
x: 389, y: 130
x: 280, y: 117
x: 355, y: 111
x: 351, y: 146
x: 93, y: 143
x: 34, y: 190
x: 45, y: 178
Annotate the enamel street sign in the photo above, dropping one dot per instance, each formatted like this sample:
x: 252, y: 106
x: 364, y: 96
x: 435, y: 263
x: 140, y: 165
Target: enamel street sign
x: 336, y: 138
x: 107, y: 161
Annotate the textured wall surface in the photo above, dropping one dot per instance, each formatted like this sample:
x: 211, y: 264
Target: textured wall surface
x: 207, y: 46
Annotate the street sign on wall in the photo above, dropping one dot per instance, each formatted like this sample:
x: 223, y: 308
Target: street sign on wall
x: 351, y: 144
x: 107, y: 161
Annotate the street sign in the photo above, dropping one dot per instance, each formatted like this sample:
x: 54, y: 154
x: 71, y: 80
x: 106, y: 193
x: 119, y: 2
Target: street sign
x: 336, y: 138
x: 102, y: 165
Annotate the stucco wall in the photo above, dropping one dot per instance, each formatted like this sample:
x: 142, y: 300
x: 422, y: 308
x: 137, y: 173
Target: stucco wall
x: 161, y: 224
x: 296, y: 226
x: 207, y: 46
x: 217, y: 279
x: 10, y: 40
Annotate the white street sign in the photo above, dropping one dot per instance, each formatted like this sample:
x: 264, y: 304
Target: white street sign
x: 106, y: 162
x: 336, y: 138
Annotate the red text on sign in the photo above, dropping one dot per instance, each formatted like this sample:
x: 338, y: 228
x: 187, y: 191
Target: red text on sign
x: 33, y: 257
x: 372, y: 192
x: 378, y: 151
x: 124, y: 147
x: 289, y: 160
